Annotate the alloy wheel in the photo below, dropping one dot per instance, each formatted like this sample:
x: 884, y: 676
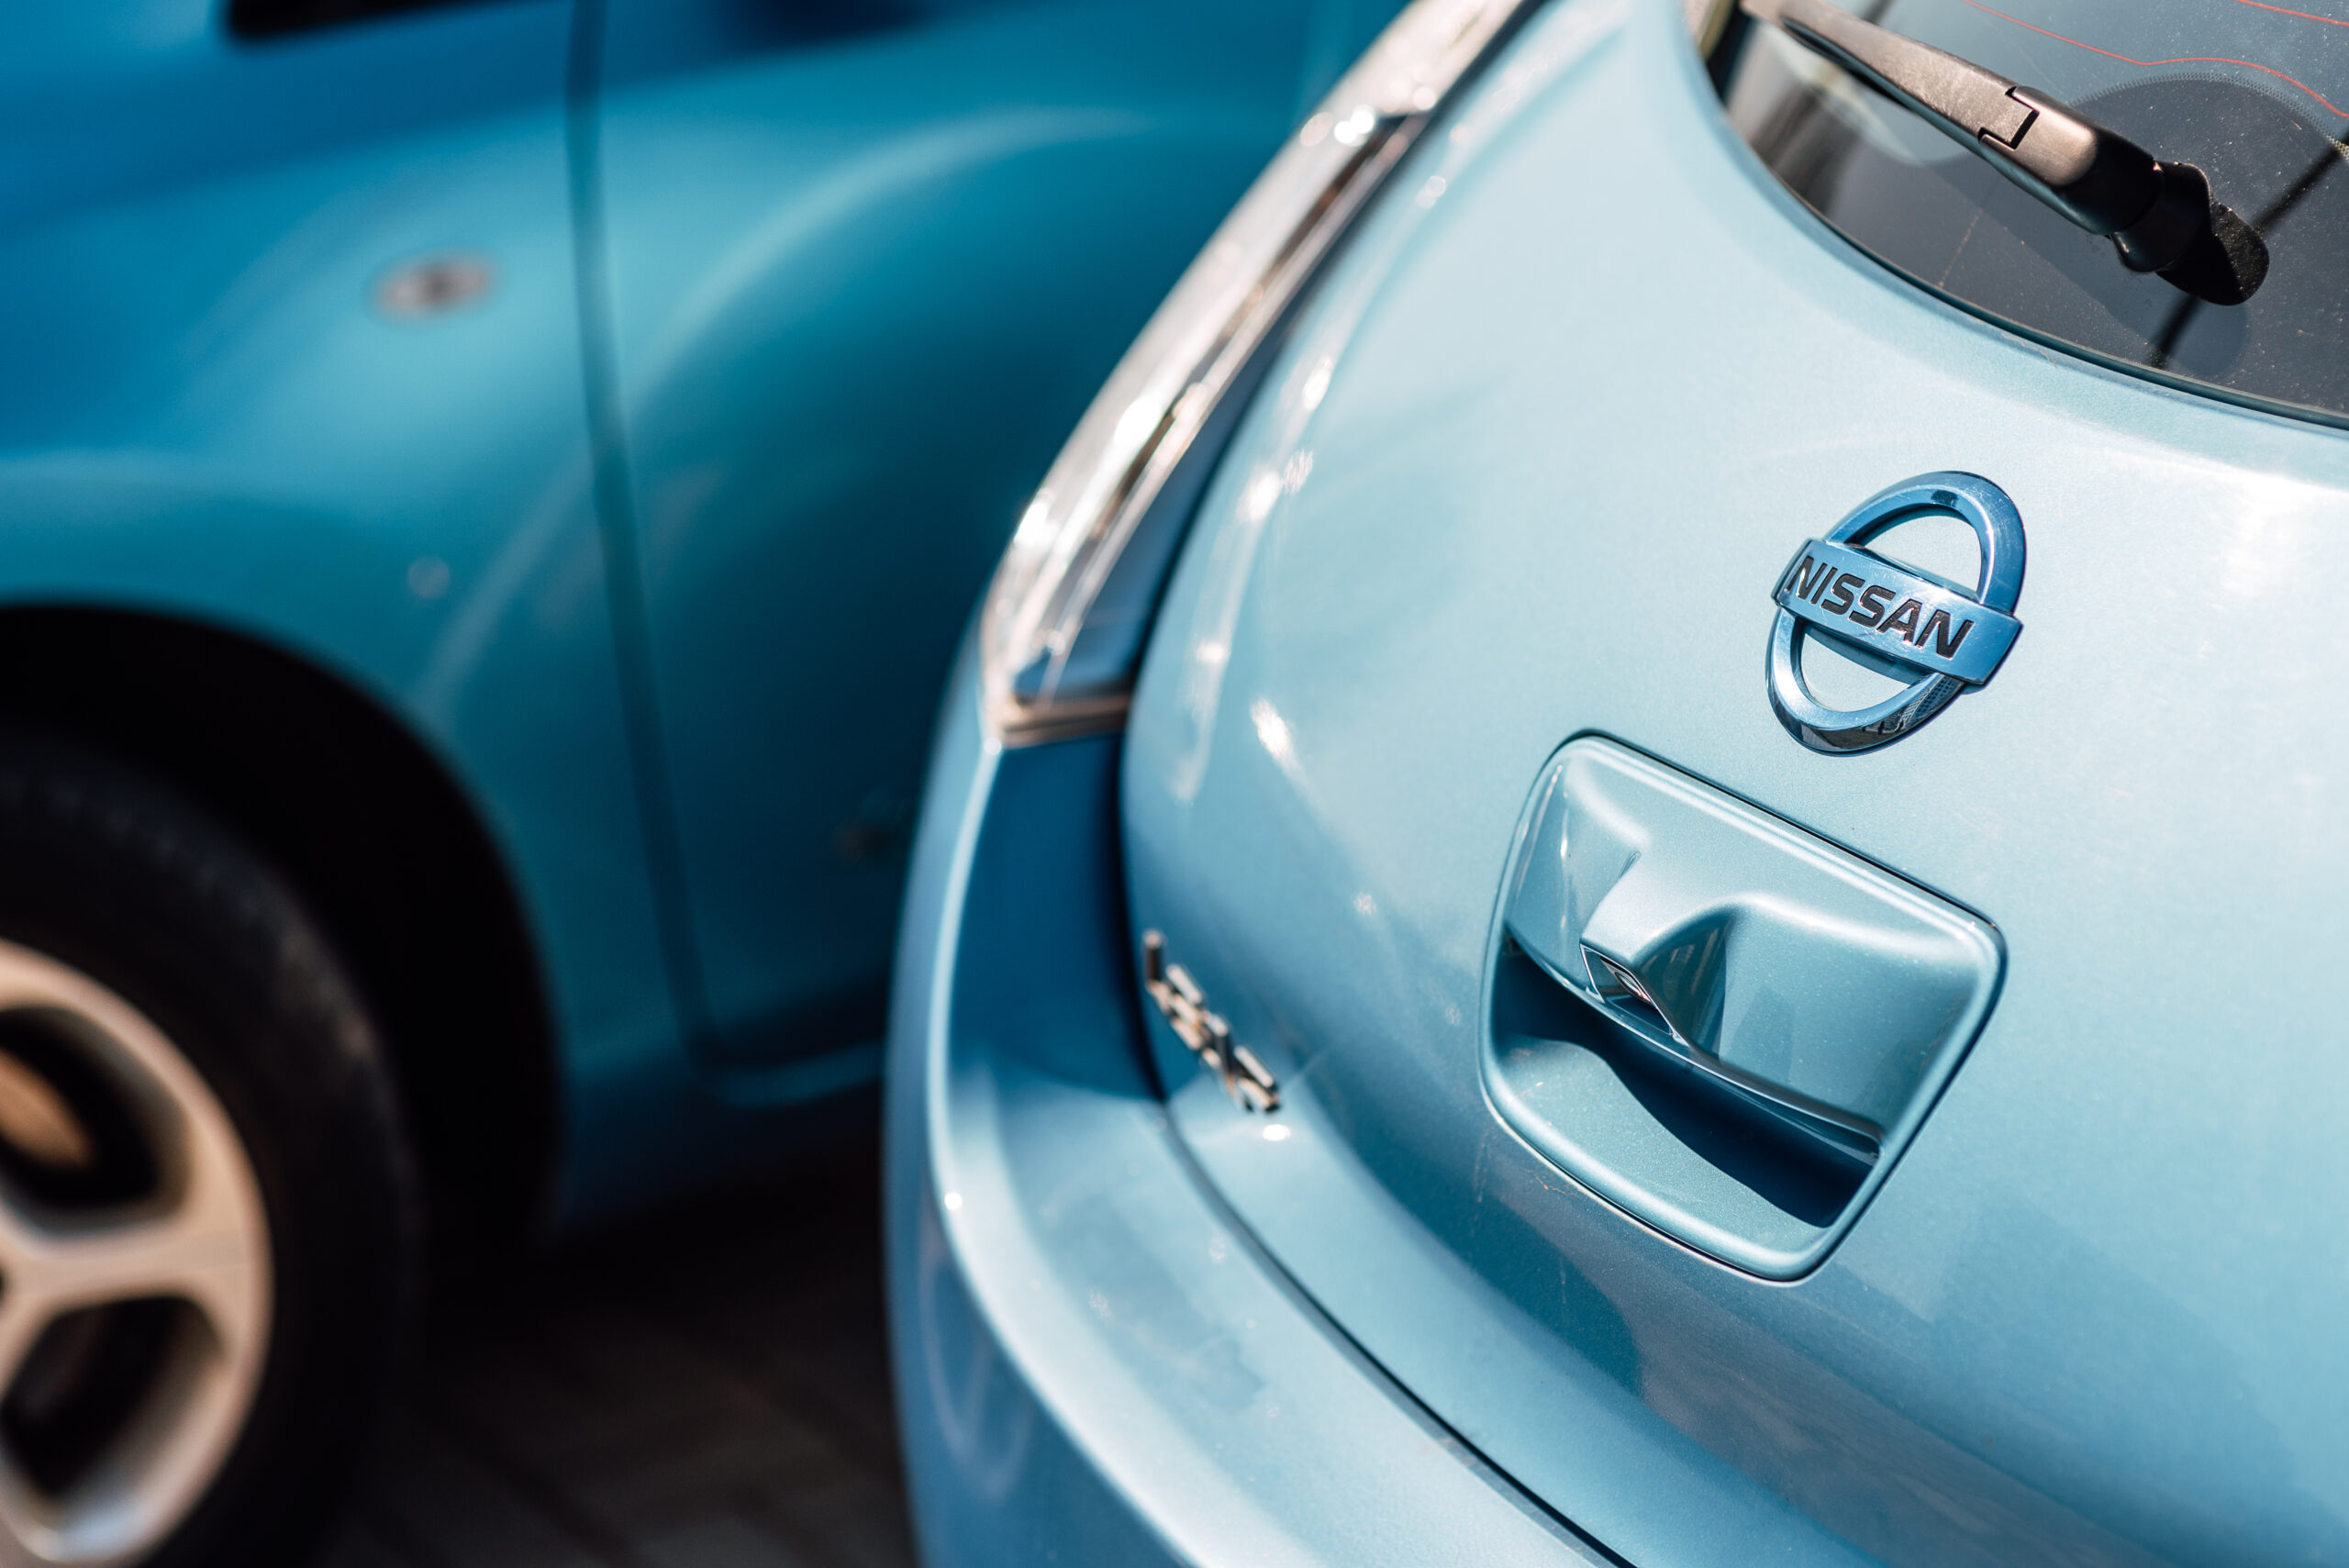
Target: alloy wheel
x: 135, y: 1275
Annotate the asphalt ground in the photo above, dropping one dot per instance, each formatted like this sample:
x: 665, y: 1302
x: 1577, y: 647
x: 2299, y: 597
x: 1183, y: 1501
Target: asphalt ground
x: 701, y: 1388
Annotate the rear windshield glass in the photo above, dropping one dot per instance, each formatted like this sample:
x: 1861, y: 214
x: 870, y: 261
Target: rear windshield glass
x: 2257, y: 94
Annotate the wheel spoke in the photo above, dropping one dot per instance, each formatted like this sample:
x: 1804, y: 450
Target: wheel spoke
x: 173, y: 1254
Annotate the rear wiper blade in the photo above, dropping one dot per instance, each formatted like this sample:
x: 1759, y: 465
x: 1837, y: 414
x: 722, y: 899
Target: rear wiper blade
x: 2160, y: 215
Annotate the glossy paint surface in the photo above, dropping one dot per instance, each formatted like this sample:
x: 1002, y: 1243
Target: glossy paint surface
x: 1723, y: 1025
x: 206, y: 417
x: 862, y: 282
x: 1093, y: 1364
x: 209, y: 416
x: 1511, y: 484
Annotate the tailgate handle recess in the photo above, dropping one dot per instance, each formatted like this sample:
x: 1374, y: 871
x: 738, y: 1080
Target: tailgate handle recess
x: 1718, y: 1022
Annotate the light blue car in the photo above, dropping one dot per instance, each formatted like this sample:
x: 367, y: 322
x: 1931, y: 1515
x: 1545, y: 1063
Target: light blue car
x: 1638, y: 862
x: 488, y: 493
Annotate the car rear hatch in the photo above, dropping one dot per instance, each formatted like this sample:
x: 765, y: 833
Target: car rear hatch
x: 1929, y: 1152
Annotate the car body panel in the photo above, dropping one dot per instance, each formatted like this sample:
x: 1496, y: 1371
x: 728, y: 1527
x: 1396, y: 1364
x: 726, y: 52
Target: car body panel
x: 1529, y: 468
x: 211, y: 419
x: 859, y: 288
x: 1093, y: 1363
x: 207, y: 419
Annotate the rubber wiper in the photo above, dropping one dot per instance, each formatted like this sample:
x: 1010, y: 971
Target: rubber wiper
x: 2161, y: 216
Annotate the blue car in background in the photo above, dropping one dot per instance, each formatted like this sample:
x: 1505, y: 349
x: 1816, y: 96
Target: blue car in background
x: 490, y: 492
x: 1638, y: 859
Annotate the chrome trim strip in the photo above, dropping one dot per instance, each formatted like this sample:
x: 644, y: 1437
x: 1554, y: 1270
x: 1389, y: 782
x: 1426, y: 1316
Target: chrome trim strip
x: 1197, y: 348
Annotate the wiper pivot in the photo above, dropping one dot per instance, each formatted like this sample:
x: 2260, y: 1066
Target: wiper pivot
x: 2160, y: 215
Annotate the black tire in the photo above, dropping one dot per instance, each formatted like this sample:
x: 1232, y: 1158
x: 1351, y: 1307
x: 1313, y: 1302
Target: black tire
x: 116, y: 876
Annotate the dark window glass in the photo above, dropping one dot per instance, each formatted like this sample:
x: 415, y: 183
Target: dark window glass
x: 275, y: 18
x: 2253, y: 92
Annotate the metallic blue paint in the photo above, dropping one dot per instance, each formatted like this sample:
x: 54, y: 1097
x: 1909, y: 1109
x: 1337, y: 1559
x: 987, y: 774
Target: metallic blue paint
x: 1794, y: 1012
x: 1529, y: 468
x: 857, y: 289
x: 1094, y: 1363
x: 851, y: 298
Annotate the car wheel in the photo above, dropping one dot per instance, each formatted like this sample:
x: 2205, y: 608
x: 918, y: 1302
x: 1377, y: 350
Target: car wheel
x: 208, y: 1209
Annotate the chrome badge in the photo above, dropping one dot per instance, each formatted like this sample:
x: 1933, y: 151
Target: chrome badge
x: 1937, y: 638
x: 1185, y: 1007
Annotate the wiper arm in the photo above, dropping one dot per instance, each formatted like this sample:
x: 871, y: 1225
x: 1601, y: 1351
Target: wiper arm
x: 2160, y: 215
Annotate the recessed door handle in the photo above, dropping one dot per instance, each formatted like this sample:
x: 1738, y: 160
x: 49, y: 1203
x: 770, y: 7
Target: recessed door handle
x: 1764, y: 1017
x: 1620, y: 994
